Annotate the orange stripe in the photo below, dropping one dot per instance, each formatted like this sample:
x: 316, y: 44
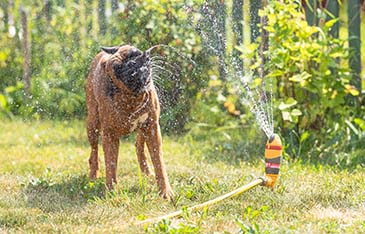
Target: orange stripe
x: 273, y: 147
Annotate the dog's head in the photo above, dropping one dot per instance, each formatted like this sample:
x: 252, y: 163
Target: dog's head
x: 129, y: 66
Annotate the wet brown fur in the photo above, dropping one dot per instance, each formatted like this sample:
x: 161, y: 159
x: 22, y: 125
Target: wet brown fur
x: 113, y: 117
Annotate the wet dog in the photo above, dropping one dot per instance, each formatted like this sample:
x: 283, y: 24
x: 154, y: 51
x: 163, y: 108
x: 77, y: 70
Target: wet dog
x: 121, y: 99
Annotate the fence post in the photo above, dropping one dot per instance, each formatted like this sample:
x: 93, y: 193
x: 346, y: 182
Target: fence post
x: 354, y: 22
x: 26, y: 47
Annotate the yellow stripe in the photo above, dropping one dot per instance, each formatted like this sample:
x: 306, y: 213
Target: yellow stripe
x: 272, y: 153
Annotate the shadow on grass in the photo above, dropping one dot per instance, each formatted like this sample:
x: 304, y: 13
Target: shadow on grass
x: 231, y: 145
x: 72, y: 192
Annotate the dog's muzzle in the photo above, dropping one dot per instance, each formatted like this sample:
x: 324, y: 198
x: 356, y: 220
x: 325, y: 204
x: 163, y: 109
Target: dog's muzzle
x: 135, y: 71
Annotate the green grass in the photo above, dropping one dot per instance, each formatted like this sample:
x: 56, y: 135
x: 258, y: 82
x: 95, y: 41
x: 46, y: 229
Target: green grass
x: 44, y: 186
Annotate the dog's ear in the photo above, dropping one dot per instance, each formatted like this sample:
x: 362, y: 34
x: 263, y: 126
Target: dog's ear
x: 110, y: 50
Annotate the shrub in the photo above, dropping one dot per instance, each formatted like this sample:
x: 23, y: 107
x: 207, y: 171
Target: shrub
x: 312, y: 80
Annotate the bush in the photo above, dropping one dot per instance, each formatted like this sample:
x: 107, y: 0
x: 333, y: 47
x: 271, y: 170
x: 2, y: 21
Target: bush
x: 61, y: 59
x: 312, y: 87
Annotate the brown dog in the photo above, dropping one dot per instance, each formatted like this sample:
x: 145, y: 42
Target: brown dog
x: 121, y: 98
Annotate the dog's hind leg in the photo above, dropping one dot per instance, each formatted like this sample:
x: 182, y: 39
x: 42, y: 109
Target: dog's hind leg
x: 141, y: 154
x: 93, y: 132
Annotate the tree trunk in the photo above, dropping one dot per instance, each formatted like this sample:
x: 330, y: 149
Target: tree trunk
x: 26, y: 47
x: 114, y: 5
x: 10, y: 15
x: 220, y: 10
x: 264, y: 46
x: 101, y: 17
x: 47, y: 5
x: 255, y: 5
x: 4, y: 9
x: 237, y: 18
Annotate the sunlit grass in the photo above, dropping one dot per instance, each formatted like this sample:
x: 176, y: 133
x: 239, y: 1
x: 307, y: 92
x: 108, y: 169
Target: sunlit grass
x: 44, y: 186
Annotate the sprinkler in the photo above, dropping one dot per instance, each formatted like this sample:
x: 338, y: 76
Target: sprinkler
x: 273, y: 154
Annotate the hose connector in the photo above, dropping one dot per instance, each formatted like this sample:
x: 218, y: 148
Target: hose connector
x: 273, y: 155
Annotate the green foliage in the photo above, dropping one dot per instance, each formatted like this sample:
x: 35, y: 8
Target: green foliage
x: 165, y: 227
x: 13, y: 219
x: 61, y: 59
x: 312, y: 87
x: 307, y: 65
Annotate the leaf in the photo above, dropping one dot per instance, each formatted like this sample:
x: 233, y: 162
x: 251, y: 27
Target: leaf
x: 360, y: 122
x: 352, y: 90
x: 352, y: 127
x: 10, y: 89
x: 289, y: 103
x: 330, y: 23
x: 300, y: 77
x: 3, y: 101
x: 304, y: 136
x: 296, y: 112
x: 230, y: 106
x: 286, y: 116
x: 275, y: 73
x: 257, y: 82
x: 3, y: 56
x: 336, y: 54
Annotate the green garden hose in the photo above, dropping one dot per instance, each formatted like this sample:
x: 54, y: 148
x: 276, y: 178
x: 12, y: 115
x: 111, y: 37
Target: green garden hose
x: 209, y: 203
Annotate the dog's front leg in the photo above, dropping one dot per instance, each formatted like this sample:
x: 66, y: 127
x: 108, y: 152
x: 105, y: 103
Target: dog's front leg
x: 111, y: 148
x: 142, y: 159
x: 154, y: 144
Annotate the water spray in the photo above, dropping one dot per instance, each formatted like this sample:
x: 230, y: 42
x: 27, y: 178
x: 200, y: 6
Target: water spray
x: 148, y: 52
x: 264, y: 116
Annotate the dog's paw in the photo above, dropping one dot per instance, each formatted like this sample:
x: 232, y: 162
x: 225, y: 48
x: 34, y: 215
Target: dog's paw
x: 167, y: 194
x: 94, y: 175
x: 150, y: 174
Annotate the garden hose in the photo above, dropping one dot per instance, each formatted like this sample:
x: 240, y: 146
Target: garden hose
x: 273, y: 155
x: 234, y: 193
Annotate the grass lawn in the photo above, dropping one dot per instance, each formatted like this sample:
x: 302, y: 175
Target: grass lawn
x: 44, y: 186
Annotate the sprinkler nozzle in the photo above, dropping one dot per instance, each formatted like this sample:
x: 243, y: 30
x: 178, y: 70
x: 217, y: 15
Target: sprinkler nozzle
x: 273, y: 155
x: 271, y: 138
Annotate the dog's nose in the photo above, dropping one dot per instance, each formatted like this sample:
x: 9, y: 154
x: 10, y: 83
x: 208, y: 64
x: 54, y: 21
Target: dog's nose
x: 133, y: 52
